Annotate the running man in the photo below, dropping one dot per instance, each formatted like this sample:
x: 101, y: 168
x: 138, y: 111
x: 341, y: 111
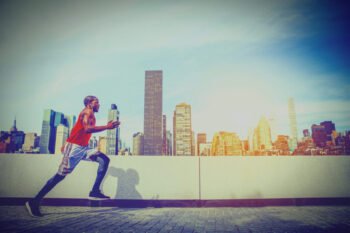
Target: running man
x: 76, y: 149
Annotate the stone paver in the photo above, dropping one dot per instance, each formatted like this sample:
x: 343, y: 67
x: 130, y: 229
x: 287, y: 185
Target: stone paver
x: 311, y: 219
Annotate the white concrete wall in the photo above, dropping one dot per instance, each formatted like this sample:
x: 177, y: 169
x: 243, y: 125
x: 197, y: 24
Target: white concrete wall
x: 127, y: 177
x: 255, y: 177
x: 177, y: 178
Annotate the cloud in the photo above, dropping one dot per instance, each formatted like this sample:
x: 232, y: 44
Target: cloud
x: 68, y: 77
x: 330, y: 106
x: 139, y: 27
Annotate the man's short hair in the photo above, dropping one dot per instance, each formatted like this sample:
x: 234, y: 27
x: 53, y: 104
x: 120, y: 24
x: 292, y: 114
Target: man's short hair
x: 88, y: 99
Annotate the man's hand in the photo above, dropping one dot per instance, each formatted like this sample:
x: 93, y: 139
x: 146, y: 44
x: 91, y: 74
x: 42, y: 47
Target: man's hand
x: 113, y: 124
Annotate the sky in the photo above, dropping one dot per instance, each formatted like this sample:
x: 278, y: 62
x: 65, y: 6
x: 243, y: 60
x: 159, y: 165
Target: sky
x: 232, y: 61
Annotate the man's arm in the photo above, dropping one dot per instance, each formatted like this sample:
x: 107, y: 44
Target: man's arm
x: 90, y: 128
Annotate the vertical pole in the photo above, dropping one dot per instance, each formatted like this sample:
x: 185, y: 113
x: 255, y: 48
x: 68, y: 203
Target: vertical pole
x: 199, y: 180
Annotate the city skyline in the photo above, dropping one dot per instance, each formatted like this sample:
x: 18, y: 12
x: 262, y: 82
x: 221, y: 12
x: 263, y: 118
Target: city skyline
x: 324, y: 140
x: 278, y: 133
x: 231, y: 61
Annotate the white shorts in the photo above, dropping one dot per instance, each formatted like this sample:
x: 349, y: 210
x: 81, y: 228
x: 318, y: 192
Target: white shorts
x: 72, y: 154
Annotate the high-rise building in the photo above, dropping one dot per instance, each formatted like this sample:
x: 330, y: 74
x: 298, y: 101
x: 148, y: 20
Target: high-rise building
x: 169, y: 139
x: 113, y: 135
x: 343, y: 142
x: 182, y: 130
x: 281, y: 145
x: 153, y: 112
x: 319, y: 135
x: 13, y: 140
x: 31, y: 142
x: 329, y: 127
x: 292, y: 124
x: 245, y: 146
x: 262, y: 136
x: 17, y: 137
x: 193, y: 147
x: 306, y: 133
x: 138, y: 140
x: 205, y: 149
x: 225, y: 143
x: 59, y: 119
x: 4, y: 137
x: 70, y: 122
x: 102, y: 144
x: 347, y: 142
x: 61, y: 137
x: 93, y: 143
x: 201, y: 138
x: 47, y: 138
x: 51, y: 120
x: 164, y: 144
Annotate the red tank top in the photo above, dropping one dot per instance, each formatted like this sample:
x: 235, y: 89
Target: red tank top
x: 78, y: 135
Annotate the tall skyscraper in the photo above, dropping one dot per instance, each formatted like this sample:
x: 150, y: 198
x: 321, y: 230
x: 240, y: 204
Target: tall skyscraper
x: 292, y: 124
x: 14, y: 127
x: 113, y: 135
x: 225, y: 143
x: 47, y: 138
x: 4, y: 141
x: 329, y: 127
x: 16, y: 139
x: 93, y: 143
x: 61, y: 136
x: 164, y: 144
x: 319, y: 135
x: 169, y: 139
x: 137, y: 145
x: 51, y: 120
x: 262, y: 136
x: 201, y: 138
x: 182, y: 130
x: 153, y: 112
x: 70, y: 122
x: 31, y: 142
x: 102, y: 144
x: 193, y: 147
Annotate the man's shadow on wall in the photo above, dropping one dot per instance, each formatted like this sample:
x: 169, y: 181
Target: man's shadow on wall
x: 127, y: 181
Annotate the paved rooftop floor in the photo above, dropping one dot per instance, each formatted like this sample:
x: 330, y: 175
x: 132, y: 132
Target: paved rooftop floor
x: 311, y: 219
